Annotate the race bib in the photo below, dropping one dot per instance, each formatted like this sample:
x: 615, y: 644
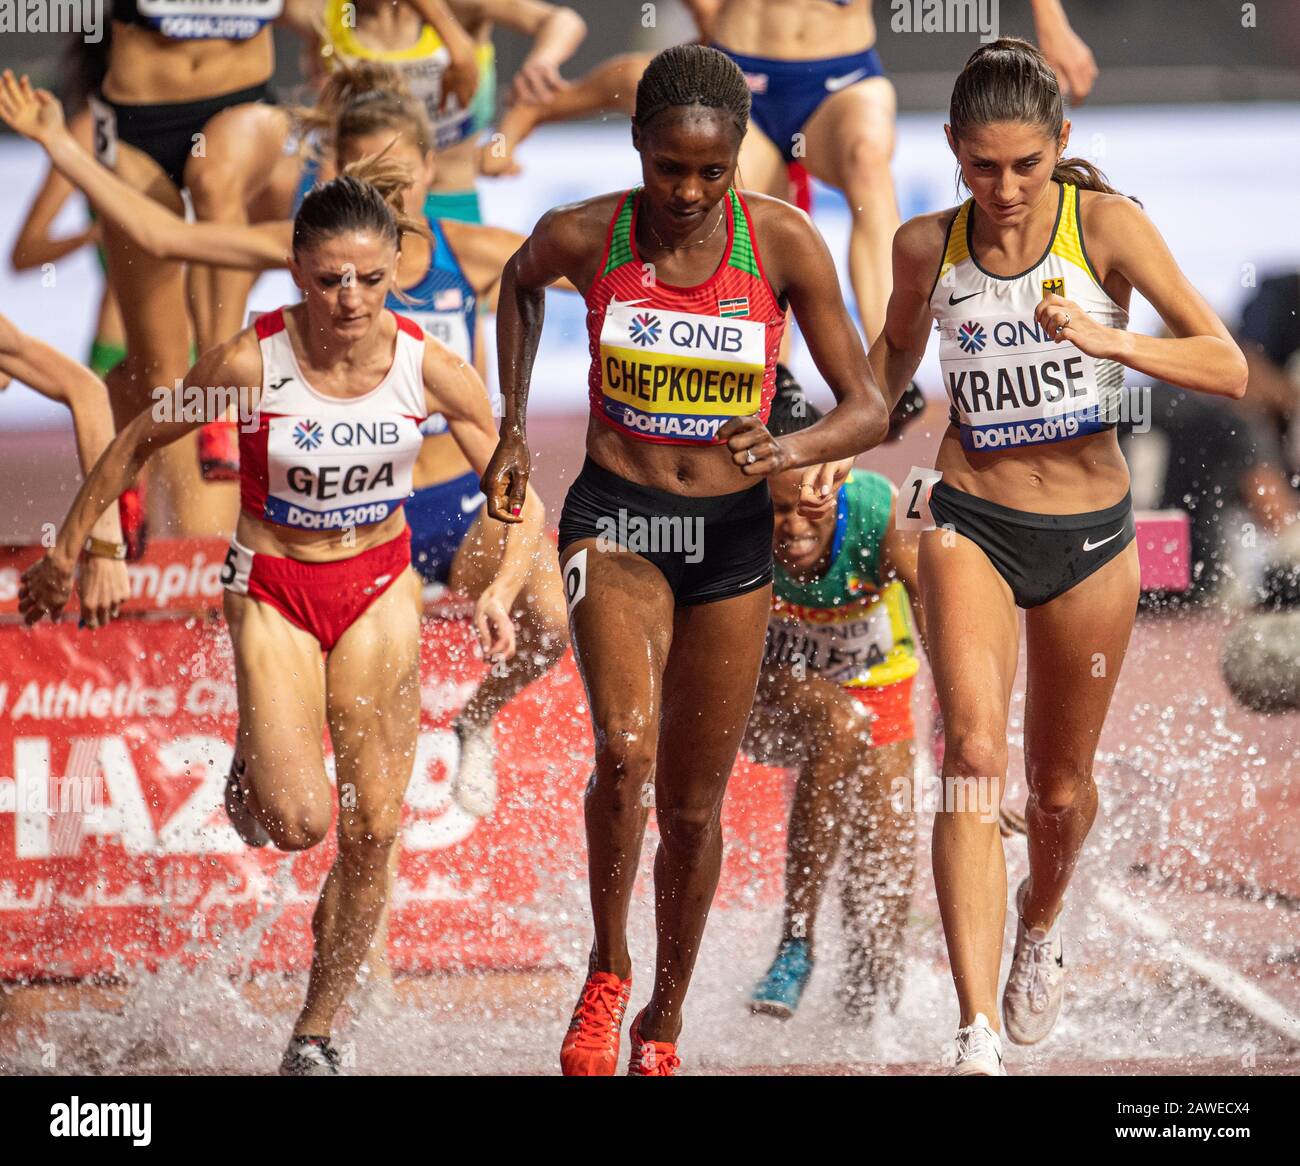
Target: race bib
x: 679, y: 375
x: 1011, y: 385
x: 842, y: 643
x: 209, y: 19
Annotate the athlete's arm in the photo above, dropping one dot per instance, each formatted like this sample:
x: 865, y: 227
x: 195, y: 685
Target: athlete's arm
x: 461, y: 78
x: 1071, y: 60
x: 34, y: 246
x: 483, y: 253
x: 800, y: 268
x: 47, y: 584
x: 557, y: 32
x: 102, y: 583
x: 1201, y: 353
x: 62, y: 379
x: 454, y: 389
x: 562, y: 244
x: 37, y: 114
x: 899, y: 556
x: 897, y: 352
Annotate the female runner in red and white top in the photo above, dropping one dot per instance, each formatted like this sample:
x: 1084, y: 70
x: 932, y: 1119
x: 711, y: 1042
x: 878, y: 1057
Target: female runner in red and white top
x: 666, y: 536
x: 321, y: 600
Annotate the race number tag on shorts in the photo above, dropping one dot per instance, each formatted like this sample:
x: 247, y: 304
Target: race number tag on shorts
x: 575, y: 579
x: 105, y: 123
x: 236, y: 569
x: 912, y: 510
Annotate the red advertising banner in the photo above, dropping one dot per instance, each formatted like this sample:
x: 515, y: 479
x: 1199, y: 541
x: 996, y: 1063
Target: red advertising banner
x: 115, y: 850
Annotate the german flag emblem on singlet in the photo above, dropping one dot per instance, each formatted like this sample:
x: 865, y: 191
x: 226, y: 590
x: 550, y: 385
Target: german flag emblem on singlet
x: 1054, y: 287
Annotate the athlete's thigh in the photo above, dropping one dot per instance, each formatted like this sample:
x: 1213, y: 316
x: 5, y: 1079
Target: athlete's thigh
x: 621, y: 624
x: 242, y: 144
x: 972, y: 632
x: 1075, y: 646
x: 862, y: 115
x: 761, y: 166
x: 280, y: 682
x: 709, y: 684
x: 373, y: 697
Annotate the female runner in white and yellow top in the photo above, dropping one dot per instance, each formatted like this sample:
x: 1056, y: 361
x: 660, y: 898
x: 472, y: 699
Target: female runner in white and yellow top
x: 1029, y: 282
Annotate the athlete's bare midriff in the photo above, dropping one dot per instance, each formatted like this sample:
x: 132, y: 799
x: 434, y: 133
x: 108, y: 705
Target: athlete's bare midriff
x: 148, y: 68
x: 1066, y: 477
x: 678, y: 469
x: 795, y: 30
x: 269, y: 538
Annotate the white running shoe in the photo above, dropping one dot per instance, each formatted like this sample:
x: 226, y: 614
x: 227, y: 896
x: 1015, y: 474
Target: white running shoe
x: 475, y: 787
x: 979, y: 1051
x: 1031, y: 1001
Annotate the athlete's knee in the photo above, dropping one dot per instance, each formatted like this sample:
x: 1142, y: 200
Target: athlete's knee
x: 1058, y: 783
x: 689, y: 830
x: 867, y: 161
x: 369, y: 834
x: 298, y: 827
x: 975, y: 753
x: 212, y: 187
x: 625, y: 751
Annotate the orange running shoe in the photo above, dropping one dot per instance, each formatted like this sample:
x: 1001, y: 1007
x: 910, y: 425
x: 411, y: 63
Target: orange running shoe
x: 219, y: 452
x: 590, y: 1046
x: 651, y: 1058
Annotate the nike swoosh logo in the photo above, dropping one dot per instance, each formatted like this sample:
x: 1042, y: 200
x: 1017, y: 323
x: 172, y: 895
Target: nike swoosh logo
x: 835, y: 84
x: 628, y: 303
x: 955, y: 300
x: 469, y: 505
x: 1089, y: 545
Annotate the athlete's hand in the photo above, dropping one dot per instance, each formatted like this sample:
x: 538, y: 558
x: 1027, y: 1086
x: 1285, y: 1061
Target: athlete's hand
x: 1063, y: 319
x: 819, y: 487
x: 34, y: 113
x: 495, y: 628
x: 753, y: 449
x: 102, y: 586
x: 536, y: 83
x: 505, y: 481
x: 460, y: 80
x: 45, y: 588
x: 1071, y: 60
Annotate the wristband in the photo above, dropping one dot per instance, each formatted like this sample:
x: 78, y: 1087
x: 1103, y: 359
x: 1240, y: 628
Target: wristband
x: 102, y: 548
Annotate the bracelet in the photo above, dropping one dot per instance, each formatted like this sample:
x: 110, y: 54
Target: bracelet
x: 102, y: 548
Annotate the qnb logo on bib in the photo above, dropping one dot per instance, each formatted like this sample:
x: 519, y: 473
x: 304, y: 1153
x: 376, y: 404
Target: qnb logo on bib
x: 307, y: 434
x: 679, y: 375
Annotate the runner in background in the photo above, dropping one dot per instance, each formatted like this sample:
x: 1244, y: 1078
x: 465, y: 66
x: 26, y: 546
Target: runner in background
x: 834, y: 700
x: 102, y: 583
x: 821, y: 99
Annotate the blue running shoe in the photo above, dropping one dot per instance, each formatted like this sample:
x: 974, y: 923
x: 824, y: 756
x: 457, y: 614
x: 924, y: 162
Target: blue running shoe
x: 778, y: 993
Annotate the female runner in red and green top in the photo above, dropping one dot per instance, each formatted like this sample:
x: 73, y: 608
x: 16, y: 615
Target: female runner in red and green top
x: 666, y: 536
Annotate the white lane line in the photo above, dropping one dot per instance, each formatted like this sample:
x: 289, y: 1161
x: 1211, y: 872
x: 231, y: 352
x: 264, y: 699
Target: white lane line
x: 1223, y: 979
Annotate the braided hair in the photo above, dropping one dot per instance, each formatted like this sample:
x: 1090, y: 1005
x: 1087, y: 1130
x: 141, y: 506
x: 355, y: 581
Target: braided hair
x: 686, y: 75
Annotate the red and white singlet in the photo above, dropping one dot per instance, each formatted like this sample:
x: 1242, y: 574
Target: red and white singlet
x: 318, y: 462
